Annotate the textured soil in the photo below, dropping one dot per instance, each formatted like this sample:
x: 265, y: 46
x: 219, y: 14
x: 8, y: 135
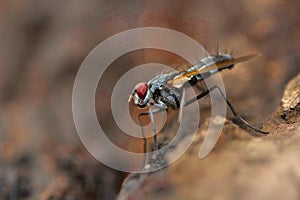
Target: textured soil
x: 239, y: 167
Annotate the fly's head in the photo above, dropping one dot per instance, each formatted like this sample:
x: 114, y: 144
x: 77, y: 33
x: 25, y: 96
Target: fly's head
x: 140, y: 95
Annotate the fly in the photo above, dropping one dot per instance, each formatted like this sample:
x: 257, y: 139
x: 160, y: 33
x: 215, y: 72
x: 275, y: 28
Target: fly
x: 167, y: 90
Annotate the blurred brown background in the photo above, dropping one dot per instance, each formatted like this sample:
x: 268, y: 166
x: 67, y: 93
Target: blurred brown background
x: 44, y: 42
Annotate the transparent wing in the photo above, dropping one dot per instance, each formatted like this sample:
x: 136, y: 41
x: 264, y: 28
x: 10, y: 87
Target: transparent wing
x: 181, y: 65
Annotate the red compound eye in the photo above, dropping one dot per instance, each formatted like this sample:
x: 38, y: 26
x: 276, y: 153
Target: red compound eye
x: 141, y: 90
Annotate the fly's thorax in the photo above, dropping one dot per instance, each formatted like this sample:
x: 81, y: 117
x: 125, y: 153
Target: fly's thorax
x: 167, y: 95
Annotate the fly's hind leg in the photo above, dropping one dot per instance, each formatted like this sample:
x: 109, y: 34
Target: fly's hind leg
x: 234, y: 112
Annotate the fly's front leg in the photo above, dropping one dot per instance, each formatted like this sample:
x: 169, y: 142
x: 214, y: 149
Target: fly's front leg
x: 142, y: 130
x: 151, y: 112
x: 159, y: 108
x: 153, y: 128
x: 182, y: 102
x: 229, y: 105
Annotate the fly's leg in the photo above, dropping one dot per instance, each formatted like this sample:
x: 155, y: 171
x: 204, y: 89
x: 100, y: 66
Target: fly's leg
x: 153, y: 128
x: 142, y: 130
x: 206, y: 92
x: 151, y: 113
x: 182, y: 102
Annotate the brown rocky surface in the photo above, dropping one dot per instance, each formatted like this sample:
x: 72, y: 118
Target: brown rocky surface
x: 239, y: 167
